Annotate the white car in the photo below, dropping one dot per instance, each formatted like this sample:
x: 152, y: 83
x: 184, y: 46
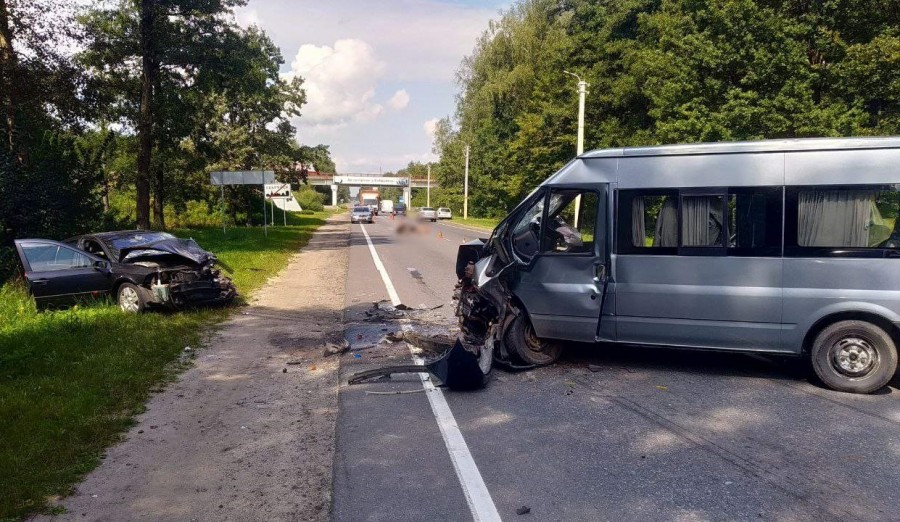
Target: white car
x: 427, y: 213
x: 444, y: 213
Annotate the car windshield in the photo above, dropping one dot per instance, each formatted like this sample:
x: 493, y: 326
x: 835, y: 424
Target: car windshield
x: 427, y: 209
x: 138, y: 238
x: 360, y: 209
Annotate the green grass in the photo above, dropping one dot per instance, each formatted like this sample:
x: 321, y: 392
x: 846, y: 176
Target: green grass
x: 71, y: 381
x: 487, y: 224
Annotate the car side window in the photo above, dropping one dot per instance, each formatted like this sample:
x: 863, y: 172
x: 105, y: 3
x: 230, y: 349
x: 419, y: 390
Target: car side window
x: 48, y: 258
x: 94, y: 247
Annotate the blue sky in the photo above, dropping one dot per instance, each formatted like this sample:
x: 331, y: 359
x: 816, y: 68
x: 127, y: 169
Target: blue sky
x: 376, y: 71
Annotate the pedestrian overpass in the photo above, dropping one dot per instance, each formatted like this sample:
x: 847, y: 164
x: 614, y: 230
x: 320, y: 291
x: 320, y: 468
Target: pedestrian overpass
x: 368, y: 180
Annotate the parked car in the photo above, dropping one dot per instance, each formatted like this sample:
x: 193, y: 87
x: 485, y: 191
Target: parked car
x: 362, y: 214
x: 427, y: 214
x: 444, y: 213
x: 139, y: 269
x: 795, y: 251
x: 399, y: 209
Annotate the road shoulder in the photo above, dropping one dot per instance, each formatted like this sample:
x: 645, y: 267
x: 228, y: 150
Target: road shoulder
x: 248, y: 432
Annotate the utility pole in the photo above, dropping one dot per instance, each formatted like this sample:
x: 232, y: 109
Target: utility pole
x: 466, y: 187
x: 582, y: 94
x: 428, y: 188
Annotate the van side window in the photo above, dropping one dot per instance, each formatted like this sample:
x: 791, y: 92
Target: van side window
x: 654, y: 221
x: 567, y: 231
x: 702, y: 221
x: 857, y: 217
x: 754, y: 221
x: 526, y: 239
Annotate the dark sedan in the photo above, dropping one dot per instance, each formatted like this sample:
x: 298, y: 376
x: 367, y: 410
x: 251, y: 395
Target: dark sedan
x: 139, y: 269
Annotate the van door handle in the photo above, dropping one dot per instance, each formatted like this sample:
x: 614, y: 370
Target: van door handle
x: 40, y: 281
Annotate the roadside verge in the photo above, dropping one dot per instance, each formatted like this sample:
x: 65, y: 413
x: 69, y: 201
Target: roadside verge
x: 248, y: 432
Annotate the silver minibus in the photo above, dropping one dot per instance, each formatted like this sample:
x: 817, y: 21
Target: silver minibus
x: 785, y: 247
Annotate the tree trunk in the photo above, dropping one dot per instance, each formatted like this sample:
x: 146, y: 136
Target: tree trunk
x: 7, y: 69
x: 149, y: 70
x: 159, y: 217
x: 104, y: 197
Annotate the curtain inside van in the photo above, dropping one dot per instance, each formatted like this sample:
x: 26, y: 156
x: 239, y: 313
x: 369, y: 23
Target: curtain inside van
x: 834, y: 218
x: 666, y: 233
x: 701, y: 220
x: 637, y: 221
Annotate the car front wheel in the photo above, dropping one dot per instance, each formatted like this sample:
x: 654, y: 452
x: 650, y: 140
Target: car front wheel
x: 521, y: 340
x: 131, y: 299
x: 854, y: 356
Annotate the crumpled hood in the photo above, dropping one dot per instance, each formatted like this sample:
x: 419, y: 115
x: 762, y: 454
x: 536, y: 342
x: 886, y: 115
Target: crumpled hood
x: 186, y: 248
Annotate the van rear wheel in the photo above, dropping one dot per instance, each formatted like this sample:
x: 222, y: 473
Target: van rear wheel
x: 521, y: 340
x: 854, y: 356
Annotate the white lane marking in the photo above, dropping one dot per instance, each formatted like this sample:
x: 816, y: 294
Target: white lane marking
x: 477, y: 495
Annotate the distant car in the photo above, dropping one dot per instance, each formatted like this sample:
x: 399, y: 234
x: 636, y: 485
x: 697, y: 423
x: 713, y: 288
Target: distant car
x: 444, y: 213
x: 400, y: 209
x: 138, y: 268
x: 427, y: 213
x: 362, y: 214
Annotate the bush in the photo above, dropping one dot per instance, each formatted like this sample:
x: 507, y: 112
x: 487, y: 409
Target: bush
x: 309, y: 199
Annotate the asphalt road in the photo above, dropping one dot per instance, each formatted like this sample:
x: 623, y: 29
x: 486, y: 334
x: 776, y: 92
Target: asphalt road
x: 609, y: 433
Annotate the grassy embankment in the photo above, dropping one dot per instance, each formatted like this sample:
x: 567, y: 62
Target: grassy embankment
x: 487, y: 224
x: 71, y: 381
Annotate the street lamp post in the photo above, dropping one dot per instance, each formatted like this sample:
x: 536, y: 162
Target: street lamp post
x: 582, y: 94
x: 466, y: 187
x: 428, y: 188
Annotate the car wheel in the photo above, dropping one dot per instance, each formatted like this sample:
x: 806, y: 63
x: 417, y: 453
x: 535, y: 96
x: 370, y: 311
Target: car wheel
x: 131, y: 299
x: 854, y: 356
x: 521, y: 340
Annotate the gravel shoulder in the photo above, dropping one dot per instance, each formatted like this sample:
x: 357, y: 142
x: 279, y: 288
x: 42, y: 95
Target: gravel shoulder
x: 247, y: 433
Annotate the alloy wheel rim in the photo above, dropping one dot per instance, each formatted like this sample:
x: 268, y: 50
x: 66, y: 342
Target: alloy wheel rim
x: 854, y: 356
x: 128, y: 300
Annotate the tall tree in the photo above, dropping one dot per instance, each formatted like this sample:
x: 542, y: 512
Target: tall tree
x: 146, y: 52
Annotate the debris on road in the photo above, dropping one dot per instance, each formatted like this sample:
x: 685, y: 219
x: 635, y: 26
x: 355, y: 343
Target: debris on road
x: 524, y: 510
x: 459, y: 368
x: 595, y: 368
x: 336, y: 348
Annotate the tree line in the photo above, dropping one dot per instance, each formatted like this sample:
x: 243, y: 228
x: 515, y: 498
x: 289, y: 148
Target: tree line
x: 130, y: 103
x: 662, y: 71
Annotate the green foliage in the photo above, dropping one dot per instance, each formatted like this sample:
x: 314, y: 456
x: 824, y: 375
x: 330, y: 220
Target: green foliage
x: 71, y: 381
x: 310, y: 199
x: 662, y: 71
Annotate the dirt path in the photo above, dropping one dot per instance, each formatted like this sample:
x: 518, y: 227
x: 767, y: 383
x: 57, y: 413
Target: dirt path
x: 237, y: 438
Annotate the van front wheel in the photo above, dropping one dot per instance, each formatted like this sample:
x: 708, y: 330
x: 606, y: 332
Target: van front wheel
x: 854, y: 356
x: 521, y: 340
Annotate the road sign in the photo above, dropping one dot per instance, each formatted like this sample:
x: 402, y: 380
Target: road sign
x: 242, y: 177
x: 367, y: 181
x: 278, y: 190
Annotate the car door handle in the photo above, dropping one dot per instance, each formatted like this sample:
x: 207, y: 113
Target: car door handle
x: 39, y: 281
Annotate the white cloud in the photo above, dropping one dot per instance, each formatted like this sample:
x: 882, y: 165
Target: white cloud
x: 339, y: 81
x: 245, y: 17
x: 399, y: 101
x: 430, y: 126
x: 424, y: 40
